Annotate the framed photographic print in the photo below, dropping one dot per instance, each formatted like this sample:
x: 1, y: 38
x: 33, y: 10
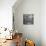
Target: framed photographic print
x: 28, y: 19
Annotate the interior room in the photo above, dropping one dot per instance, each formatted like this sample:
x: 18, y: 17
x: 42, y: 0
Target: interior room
x: 22, y: 22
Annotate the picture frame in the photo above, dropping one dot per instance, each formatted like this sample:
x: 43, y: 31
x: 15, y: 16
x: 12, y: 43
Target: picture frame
x: 28, y: 19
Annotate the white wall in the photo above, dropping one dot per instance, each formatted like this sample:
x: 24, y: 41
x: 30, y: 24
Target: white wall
x: 6, y: 13
x: 43, y: 22
x: 29, y: 31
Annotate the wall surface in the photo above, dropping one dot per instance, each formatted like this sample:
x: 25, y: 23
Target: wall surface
x: 43, y: 22
x: 29, y: 31
x: 6, y: 13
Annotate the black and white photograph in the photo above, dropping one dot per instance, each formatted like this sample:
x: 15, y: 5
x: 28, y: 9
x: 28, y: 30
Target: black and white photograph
x: 28, y: 19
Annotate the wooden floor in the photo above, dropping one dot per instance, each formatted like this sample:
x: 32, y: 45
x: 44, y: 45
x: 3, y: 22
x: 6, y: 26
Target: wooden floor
x: 9, y: 43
